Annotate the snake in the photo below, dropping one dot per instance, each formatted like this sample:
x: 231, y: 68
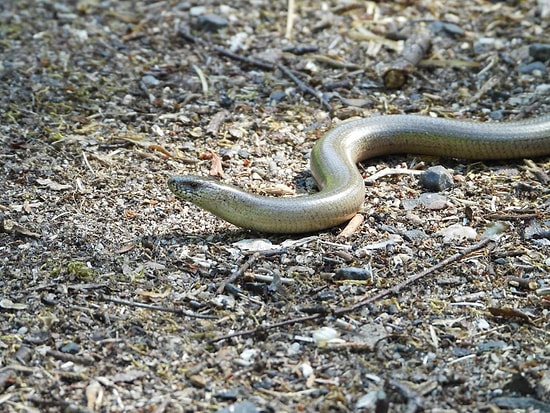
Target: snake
x: 341, y: 187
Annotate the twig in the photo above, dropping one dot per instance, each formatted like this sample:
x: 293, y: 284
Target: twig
x: 156, y: 307
x: 352, y: 226
x: 290, y: 15
x: 239, y: 272
x: 303, y: 87
x: 415, y: 49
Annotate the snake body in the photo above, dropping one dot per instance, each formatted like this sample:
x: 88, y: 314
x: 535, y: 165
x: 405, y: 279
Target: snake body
x: 333, y: 165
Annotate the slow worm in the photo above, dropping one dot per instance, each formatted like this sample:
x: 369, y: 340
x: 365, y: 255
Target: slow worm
x: 333, y: 165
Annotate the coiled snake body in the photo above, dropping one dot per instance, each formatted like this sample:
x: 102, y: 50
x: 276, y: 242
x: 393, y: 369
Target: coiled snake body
x: 333, y: 165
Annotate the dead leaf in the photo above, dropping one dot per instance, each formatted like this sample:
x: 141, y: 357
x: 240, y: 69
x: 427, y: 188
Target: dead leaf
x: 216, y: 169
x: 161, y: 149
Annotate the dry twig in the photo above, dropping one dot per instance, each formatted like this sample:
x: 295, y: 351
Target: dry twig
x: 413, y: 52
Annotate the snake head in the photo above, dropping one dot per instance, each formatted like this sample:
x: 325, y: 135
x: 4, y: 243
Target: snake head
x: 193, y: 188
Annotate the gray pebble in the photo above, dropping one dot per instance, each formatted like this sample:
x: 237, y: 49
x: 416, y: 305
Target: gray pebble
x: 491, y: 345
x: 242, y: 407
x: 149, y: 80
x: 211, y: 22
x: 497, y: 115
x: 227, y: 394
x: 531, y: 67
x: 436, y: 179
x: 352, y: 273
x: 450, y: 28
x: 415, y: 235
x: 71, y: 348
x: 433, y: 201
x: 540, y: 51
x: 277, y: 96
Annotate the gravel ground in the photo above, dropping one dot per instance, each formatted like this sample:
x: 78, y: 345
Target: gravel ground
x: 116, y: 296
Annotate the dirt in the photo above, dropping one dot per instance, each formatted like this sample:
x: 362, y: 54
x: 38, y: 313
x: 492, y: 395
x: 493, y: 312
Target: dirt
x: 117, y: 296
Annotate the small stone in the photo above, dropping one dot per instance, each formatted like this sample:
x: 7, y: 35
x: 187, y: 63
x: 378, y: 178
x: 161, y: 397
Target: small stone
x: 540, y: 51
x: 461, y: 352
x: 325, y: 296
x: 352, y: 273
x: 518, y: 384
x: 375, y: 400
x: 197, y: 10
x: 433, y: 201
x: 415, y: 235
x: 529, y: 68
x: 197, y: 380
x: 227, y: 394
x: 324, y: 334
x: 491, y: 345
x: 277, y: 96
x: 211, y: 22
x: 497, y: 115
x: 149, y: 80
x: 439, y: 26
x: 242, y: 407
x: 436, y: 179
x: 38, y: 337
x: 71, y: 348
x: 543, y: 89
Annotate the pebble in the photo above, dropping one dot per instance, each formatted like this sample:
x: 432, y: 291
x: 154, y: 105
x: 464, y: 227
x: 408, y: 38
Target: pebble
x: 277, y: 96
x: 497, y: 115
x: 375, y: 400
x: 520, y: 403
x: 149, y: 80
x: 449, y: 28
x: 540, y: 51
x: 518, y: 384
x: 38, y: 337
x: 529, y: 68
x: 242, y: 407
x: 352, y: 273
x: 211, y: 22
x: 227, y: 394
x: 461, y: 352
x: 543, y: 89
x: 433, y: 201
x: 415, y: 235
x: 325, y: 334
x: 71, y: 348
x: 491, y: 345
x: 436, y: 179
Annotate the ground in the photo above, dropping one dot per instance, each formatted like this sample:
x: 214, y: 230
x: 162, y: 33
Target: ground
x: 115, y: 294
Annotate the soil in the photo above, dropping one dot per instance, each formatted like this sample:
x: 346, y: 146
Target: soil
x: 117, y: 296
